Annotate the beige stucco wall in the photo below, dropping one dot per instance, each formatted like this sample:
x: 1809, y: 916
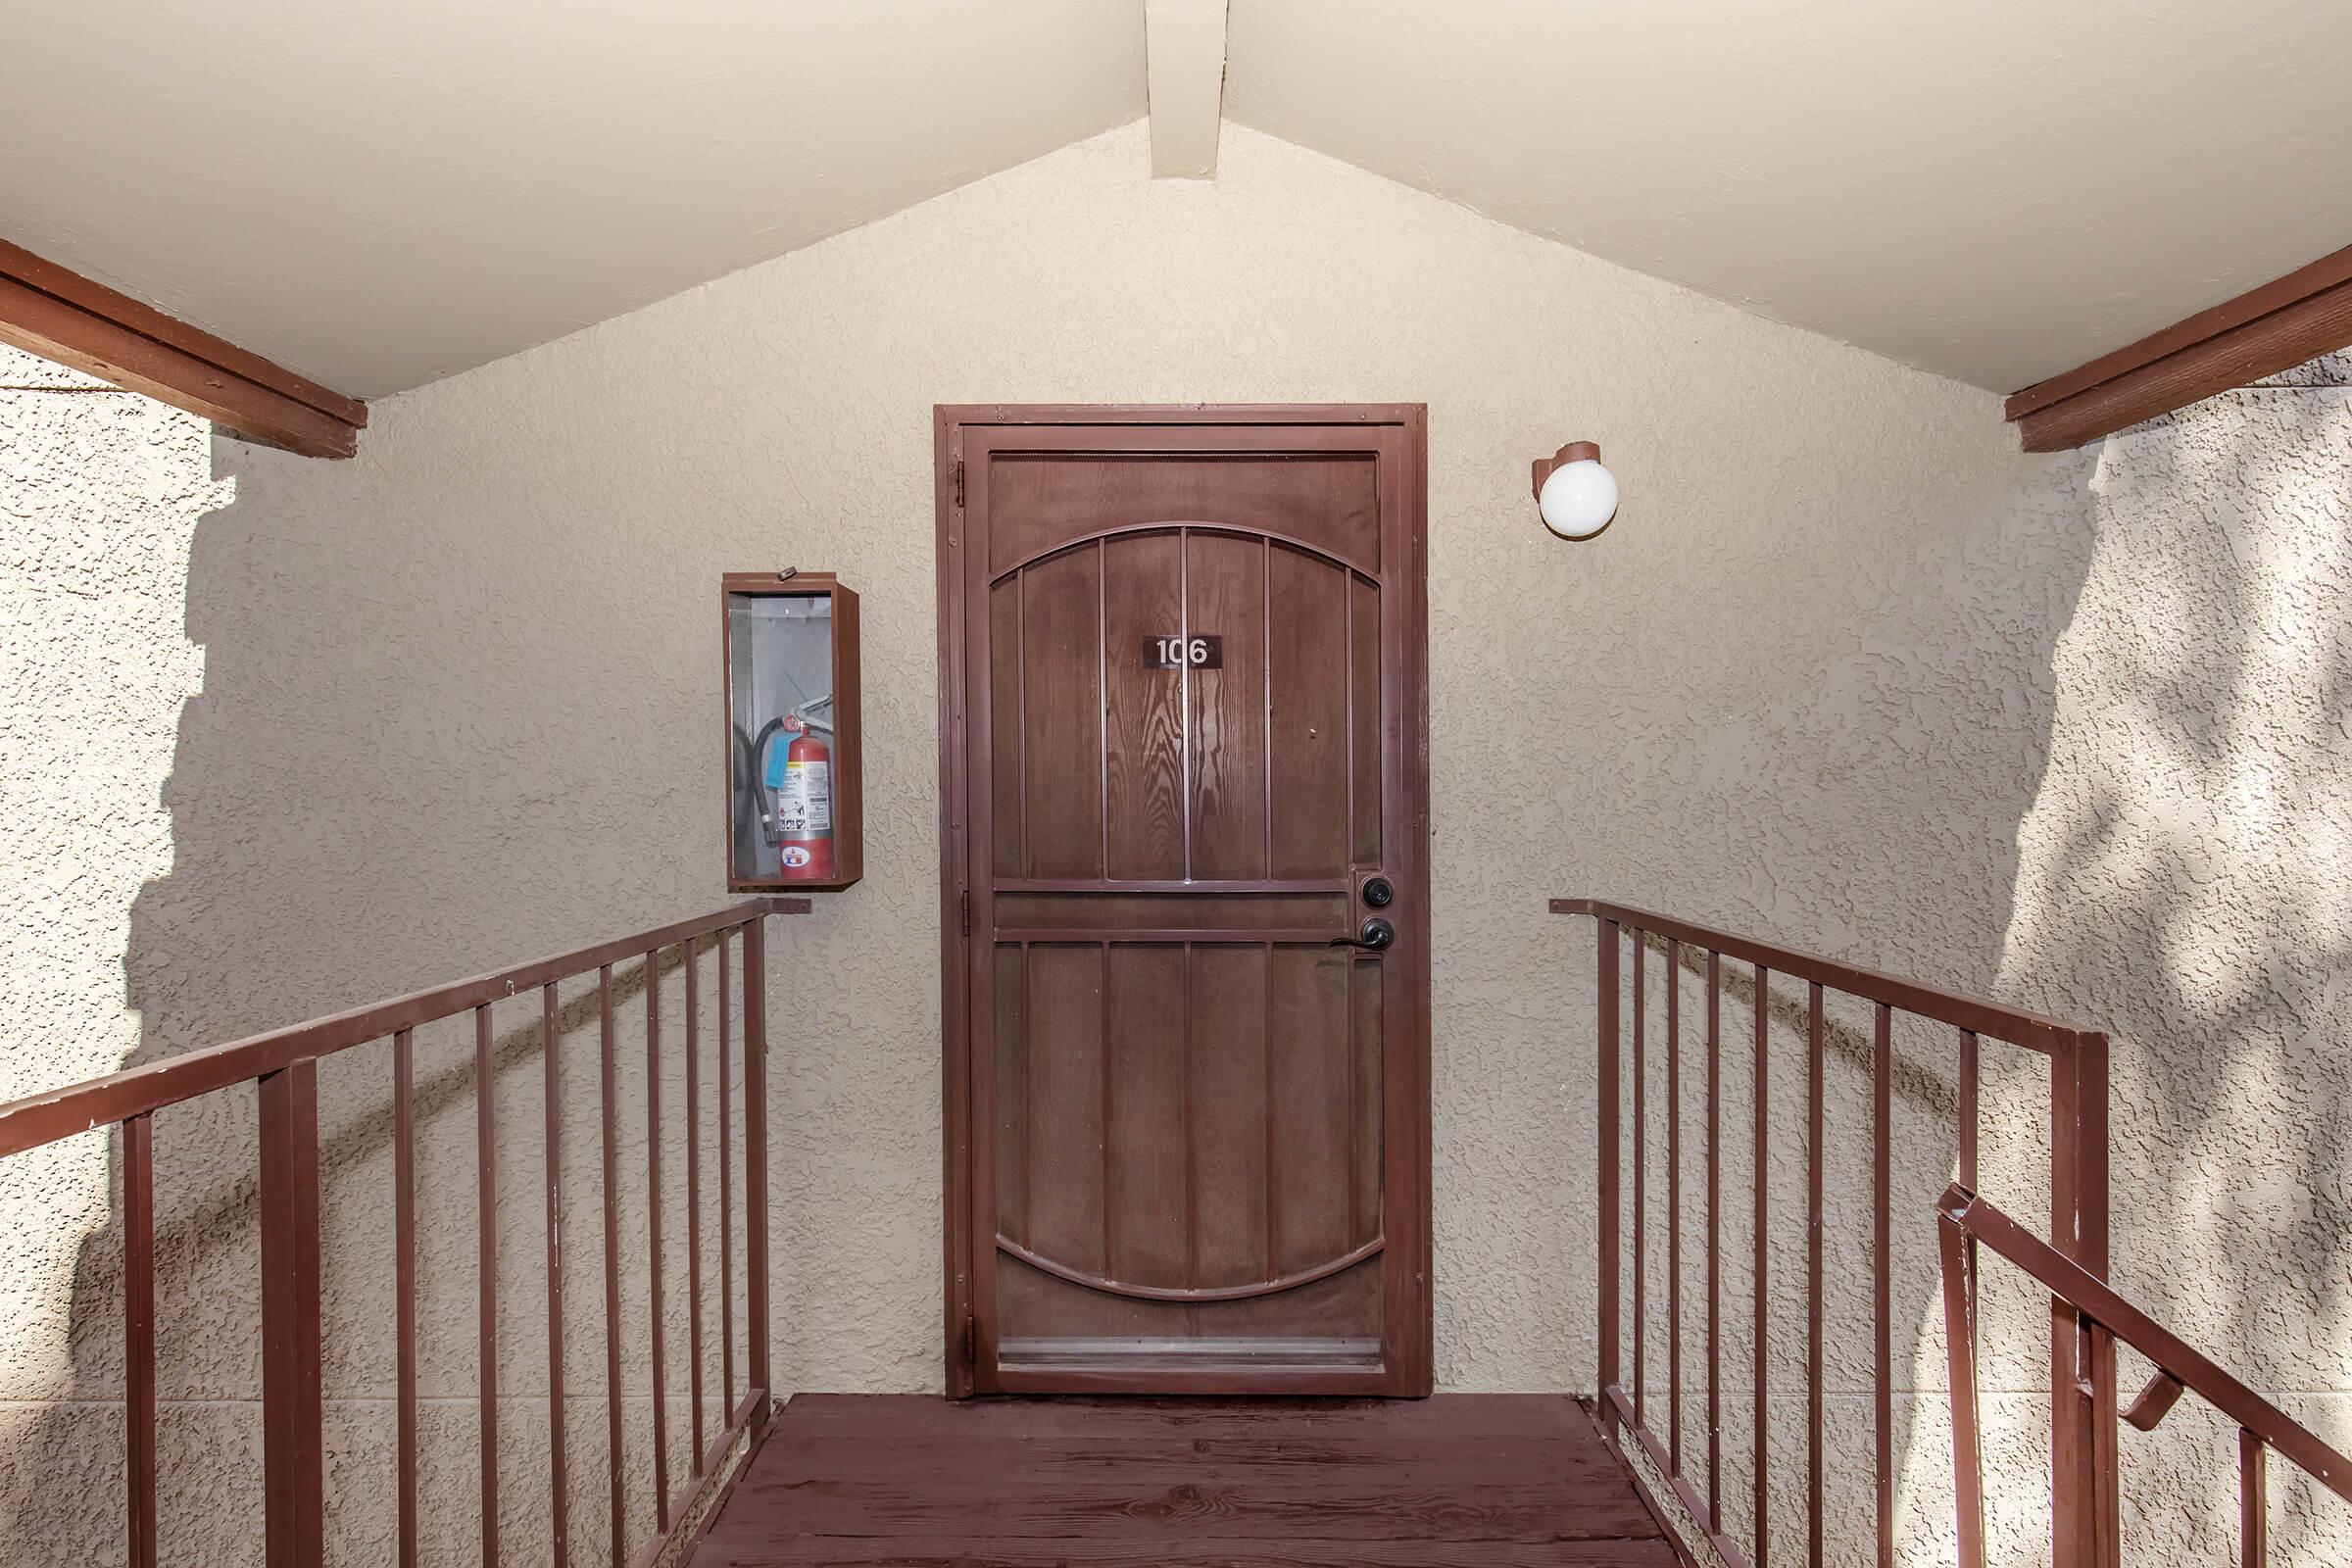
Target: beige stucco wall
x: 101, y: 492
x: 2183, y: 880
x: 457, y: 696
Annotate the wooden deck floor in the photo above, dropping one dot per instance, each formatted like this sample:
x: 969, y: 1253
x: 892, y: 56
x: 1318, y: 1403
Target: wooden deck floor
x: 1458, y: 1481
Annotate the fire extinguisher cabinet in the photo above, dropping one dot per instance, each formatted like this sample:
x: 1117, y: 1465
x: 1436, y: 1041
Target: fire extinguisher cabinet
x: 793, y: 816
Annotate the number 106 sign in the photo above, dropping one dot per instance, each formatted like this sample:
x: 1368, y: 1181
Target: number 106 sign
x: 1184, y: 653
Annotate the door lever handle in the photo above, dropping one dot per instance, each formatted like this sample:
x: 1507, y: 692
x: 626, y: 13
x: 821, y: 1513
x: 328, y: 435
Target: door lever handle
x: 1373, y: 935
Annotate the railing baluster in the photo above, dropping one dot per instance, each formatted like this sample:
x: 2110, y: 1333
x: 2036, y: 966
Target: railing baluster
x: 1971, y: 1081
x: 1674, y: 1206
x: 1641, y: 1168
x: 2253, y: 1500
x: 608, y: 1074
x: 726, y: 1196
x: 1816, y: 1061
x: 560, y: 1522
x: 754, y: 1159
x: 653, y: 1229
x: 1714, y: 1242
x: 293, y: 1456
x: 1882, y: 1163
x: 138, y: 1333
x: 1758, y: 1326
x: 2084, y: 1506
x: 1606, y: 1055
x: 485, y: 1181
x: 694, y: 1196
x: 1960, y: 1353
x: 404, y: 1245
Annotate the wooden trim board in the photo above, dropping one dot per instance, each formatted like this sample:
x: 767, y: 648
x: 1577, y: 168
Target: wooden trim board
x: 57, y: 314
x: 2260, y: 332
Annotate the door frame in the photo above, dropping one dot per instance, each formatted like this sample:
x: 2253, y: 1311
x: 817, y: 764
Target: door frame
x: 1411, y: 1368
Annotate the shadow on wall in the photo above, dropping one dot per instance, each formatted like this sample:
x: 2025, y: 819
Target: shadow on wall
x: 2171, y: 880
x: 1867, y: 808
x: 2182, y: 884
x: 322, y: 851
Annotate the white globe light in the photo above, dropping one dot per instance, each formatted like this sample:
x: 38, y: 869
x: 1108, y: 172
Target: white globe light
x: 1578, y: 499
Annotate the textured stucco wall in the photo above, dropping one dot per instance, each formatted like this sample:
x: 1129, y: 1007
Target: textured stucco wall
x: 2183, y: 880
x: 458, y: 692
x: 101, y: 494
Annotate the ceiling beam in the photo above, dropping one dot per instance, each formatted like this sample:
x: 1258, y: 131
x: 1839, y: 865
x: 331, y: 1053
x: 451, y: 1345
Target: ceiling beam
x: 2260, y: 332
x: 57, y: 314
x: 1185, y: 72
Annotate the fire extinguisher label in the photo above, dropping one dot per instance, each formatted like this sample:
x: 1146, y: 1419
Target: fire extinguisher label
x: 804, y: 802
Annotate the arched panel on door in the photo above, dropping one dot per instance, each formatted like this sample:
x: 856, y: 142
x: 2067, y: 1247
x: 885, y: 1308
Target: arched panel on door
x: 1263, y: 764
x: 1040, y: 501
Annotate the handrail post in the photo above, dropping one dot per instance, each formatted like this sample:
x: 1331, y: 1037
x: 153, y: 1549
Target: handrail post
x: 1609, y: 1043
x: 1954, y: 1248
x: 2084, y: 1503
x: 755, y: 1162
x: 293, y: 1458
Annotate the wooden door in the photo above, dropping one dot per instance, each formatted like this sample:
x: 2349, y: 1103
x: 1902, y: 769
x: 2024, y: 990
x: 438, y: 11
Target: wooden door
x: 1183, y: 738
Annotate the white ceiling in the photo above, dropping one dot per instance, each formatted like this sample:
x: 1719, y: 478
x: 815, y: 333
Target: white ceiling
x: 1994, y: 189
x: 379, y: 194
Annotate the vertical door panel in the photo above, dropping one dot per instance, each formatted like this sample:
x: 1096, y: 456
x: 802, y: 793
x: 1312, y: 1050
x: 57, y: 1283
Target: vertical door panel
x: 1143, y: 708
x: 1315, y: 1116
x: 1366, y: 731
x: 1147, y: 1176
x: 1306, y: 703
x: 1008, y: 744
x: 1229, y: 1081
x: 1065, y: 1103
x: 1225, y: 583
x: 1060, y: 649
x: 1011, y: 1130
x: 1366, y: 1038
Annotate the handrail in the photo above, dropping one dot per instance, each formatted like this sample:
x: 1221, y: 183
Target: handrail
x: 49, y: 1114
x: 2019, y: 1026
x: 1962, y: 1217
x: 283, y: 1067
x: 2084, y: 1502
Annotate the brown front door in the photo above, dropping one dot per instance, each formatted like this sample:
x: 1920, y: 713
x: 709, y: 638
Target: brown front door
x: 1184, y: 752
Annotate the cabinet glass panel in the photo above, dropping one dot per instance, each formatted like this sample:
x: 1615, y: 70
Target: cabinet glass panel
x: 785, y: 789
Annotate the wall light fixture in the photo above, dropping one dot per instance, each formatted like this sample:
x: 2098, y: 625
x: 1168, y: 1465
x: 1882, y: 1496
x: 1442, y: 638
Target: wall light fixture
x: 1577, y: 496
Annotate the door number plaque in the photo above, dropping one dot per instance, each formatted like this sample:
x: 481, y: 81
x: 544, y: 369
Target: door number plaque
x: 1184, y: 653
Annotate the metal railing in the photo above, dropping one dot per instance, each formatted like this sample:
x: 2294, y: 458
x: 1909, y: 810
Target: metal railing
x: 1962, y: 1221
x: 2083, y: 1490
x: 283, y: 1065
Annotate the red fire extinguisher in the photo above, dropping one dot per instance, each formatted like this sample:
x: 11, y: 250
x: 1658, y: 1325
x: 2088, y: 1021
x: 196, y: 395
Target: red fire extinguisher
x: 804, y: 806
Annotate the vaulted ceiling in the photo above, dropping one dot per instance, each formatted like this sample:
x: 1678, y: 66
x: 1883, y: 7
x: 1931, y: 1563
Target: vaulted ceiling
x: 376, y: 195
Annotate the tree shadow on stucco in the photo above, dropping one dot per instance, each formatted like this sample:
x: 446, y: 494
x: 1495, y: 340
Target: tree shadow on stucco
x: 2190, y: 843
x: 1895, y: 794
x: 282, y: 906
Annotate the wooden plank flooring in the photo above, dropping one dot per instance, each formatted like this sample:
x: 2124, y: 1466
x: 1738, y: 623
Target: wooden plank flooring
x: 1458, y: 1481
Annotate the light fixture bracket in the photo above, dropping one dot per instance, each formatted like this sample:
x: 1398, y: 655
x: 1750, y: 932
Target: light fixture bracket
x: 1573, y: 451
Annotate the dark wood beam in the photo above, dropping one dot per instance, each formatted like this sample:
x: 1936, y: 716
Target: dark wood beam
x: 57, y: 314
x: 2260, y: 332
